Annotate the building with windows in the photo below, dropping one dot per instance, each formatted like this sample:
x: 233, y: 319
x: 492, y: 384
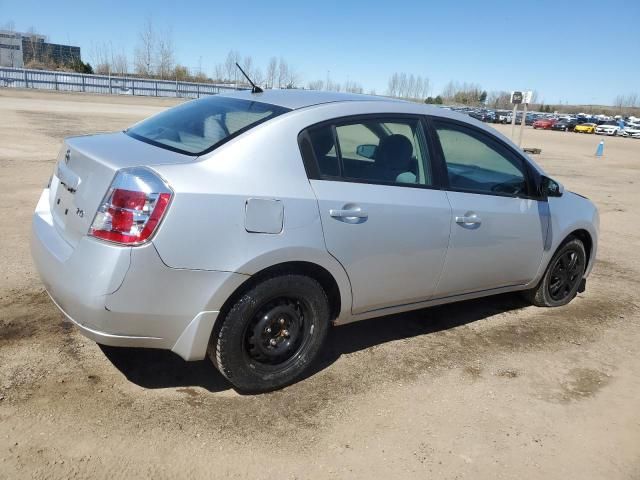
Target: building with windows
x: 19, y: 49
x: 35, y: 48
x: 11, y: 49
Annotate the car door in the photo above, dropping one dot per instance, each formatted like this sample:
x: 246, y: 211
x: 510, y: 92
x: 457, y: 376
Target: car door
x: 383, y: 215
x: 498, y: 227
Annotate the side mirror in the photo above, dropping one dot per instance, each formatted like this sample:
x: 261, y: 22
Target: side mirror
x: 366, y: 151
x: 551, y: 188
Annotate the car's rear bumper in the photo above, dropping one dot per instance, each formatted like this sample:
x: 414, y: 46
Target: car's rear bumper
x: 123, y: 296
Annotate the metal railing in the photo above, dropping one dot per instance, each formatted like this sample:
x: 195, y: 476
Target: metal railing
x: 106, y: 84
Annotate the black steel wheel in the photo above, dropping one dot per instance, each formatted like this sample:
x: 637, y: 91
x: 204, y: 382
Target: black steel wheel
x: 562, y: 279
x: 272, y: 333
x: 566, y: 273
x: 276, y: 332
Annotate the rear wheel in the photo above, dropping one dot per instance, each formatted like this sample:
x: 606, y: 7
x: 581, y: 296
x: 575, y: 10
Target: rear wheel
x: 563, y: 276
x: 272, y: 333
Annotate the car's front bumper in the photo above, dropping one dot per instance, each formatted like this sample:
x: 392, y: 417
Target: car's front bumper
x: 123, y: 296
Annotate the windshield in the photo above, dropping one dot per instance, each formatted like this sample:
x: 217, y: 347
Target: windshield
x: 199, y: 126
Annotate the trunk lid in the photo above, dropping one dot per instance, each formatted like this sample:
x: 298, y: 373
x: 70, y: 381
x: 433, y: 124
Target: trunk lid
x: 84, y: 170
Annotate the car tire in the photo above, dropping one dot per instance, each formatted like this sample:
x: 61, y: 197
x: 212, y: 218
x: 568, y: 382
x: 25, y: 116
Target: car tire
x: 562, y: 278
x: 271, y: 334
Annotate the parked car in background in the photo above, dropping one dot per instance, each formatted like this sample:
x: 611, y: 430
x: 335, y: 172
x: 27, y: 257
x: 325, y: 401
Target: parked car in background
x: 610, y: 127
x: 503, y: 117
x: 242, y: 226
x: 481, y: 115
x: 544, y: 123
x: 631, y: 131
x: 565, y: 125
x: 585, y: 128
x: 530, y: 119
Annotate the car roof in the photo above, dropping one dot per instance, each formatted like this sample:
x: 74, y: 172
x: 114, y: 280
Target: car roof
x: 295, y: 99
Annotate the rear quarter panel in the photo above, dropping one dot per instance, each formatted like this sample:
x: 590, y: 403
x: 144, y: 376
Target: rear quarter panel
x: 205, y: 227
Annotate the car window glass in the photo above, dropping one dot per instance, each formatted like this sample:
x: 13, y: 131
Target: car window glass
x: 383, y: 151
x: 351, y: 136
x: 324, y: 150
x: 197, y: 126
x: 412, y: 134
x: 476, y: 164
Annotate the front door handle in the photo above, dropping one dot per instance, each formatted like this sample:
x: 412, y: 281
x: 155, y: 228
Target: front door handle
x: 469, y: 219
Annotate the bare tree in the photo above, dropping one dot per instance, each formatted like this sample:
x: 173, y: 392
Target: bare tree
x: 271, y: 71
x: 283, y: 72
x: 405, y: 85
x: 100, y: 58
x: 119, y: 63
x: 231, y: 71
x: 247, y: 66
x: 316, y: 85
x: 218, y: 72
x: 417, y: 92
x: 392, y: 85
x: 352, y: 87
x: 402, y: 85
x: 426, y: 87
x: 411, y: 85
x: 146, y: 49
x: 500, y: 99
x: 292, y: 77
x: 257, y: 76
x: 165, y: 55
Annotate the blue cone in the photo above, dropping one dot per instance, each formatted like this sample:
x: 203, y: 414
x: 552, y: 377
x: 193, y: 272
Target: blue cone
x: 600, y: 150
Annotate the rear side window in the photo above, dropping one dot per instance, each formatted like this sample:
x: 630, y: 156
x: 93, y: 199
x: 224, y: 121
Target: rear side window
x: 387, y: 151
x: 199, y: 126
x: 476, y: 163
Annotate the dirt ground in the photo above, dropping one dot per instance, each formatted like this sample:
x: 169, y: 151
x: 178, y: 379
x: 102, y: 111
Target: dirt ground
x: 491, y: 388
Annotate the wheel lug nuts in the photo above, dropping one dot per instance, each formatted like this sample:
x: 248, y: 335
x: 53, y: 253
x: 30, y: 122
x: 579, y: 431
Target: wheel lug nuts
x: 282, y: 321
x: 285, y: 333
x: 272, y: 342
x: 269, y: 330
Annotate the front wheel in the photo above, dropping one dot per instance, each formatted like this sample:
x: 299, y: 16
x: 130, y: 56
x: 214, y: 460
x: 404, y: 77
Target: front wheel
x: 563, y: 276
x: 272, y: 333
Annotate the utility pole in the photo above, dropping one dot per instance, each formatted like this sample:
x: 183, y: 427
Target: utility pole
x: 524, y: 116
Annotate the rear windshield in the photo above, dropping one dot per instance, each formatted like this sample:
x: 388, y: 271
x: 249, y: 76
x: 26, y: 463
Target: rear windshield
x: 199, y: 126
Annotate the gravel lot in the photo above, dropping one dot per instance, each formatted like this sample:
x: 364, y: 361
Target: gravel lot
x: 491, y: 388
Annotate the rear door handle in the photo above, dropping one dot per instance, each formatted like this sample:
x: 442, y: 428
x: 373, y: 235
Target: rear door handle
x: 472, y: 219
x: 350, y: 213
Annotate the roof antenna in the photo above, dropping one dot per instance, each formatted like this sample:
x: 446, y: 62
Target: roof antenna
x: 255, y: 89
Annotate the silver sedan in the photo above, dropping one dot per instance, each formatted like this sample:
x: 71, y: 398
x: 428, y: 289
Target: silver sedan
x: 242, y: 226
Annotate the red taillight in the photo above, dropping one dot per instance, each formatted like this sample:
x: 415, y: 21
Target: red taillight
x: 132, y: 208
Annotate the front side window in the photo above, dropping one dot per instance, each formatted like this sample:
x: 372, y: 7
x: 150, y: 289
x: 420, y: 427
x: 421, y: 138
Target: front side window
x: 390, y: 151
x: 199, y: 126
x: 477, y: 164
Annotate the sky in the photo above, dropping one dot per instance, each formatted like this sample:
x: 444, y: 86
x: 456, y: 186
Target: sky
x: 580, y: 51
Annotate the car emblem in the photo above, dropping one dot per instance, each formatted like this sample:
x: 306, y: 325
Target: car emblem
x: 67, y: 157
